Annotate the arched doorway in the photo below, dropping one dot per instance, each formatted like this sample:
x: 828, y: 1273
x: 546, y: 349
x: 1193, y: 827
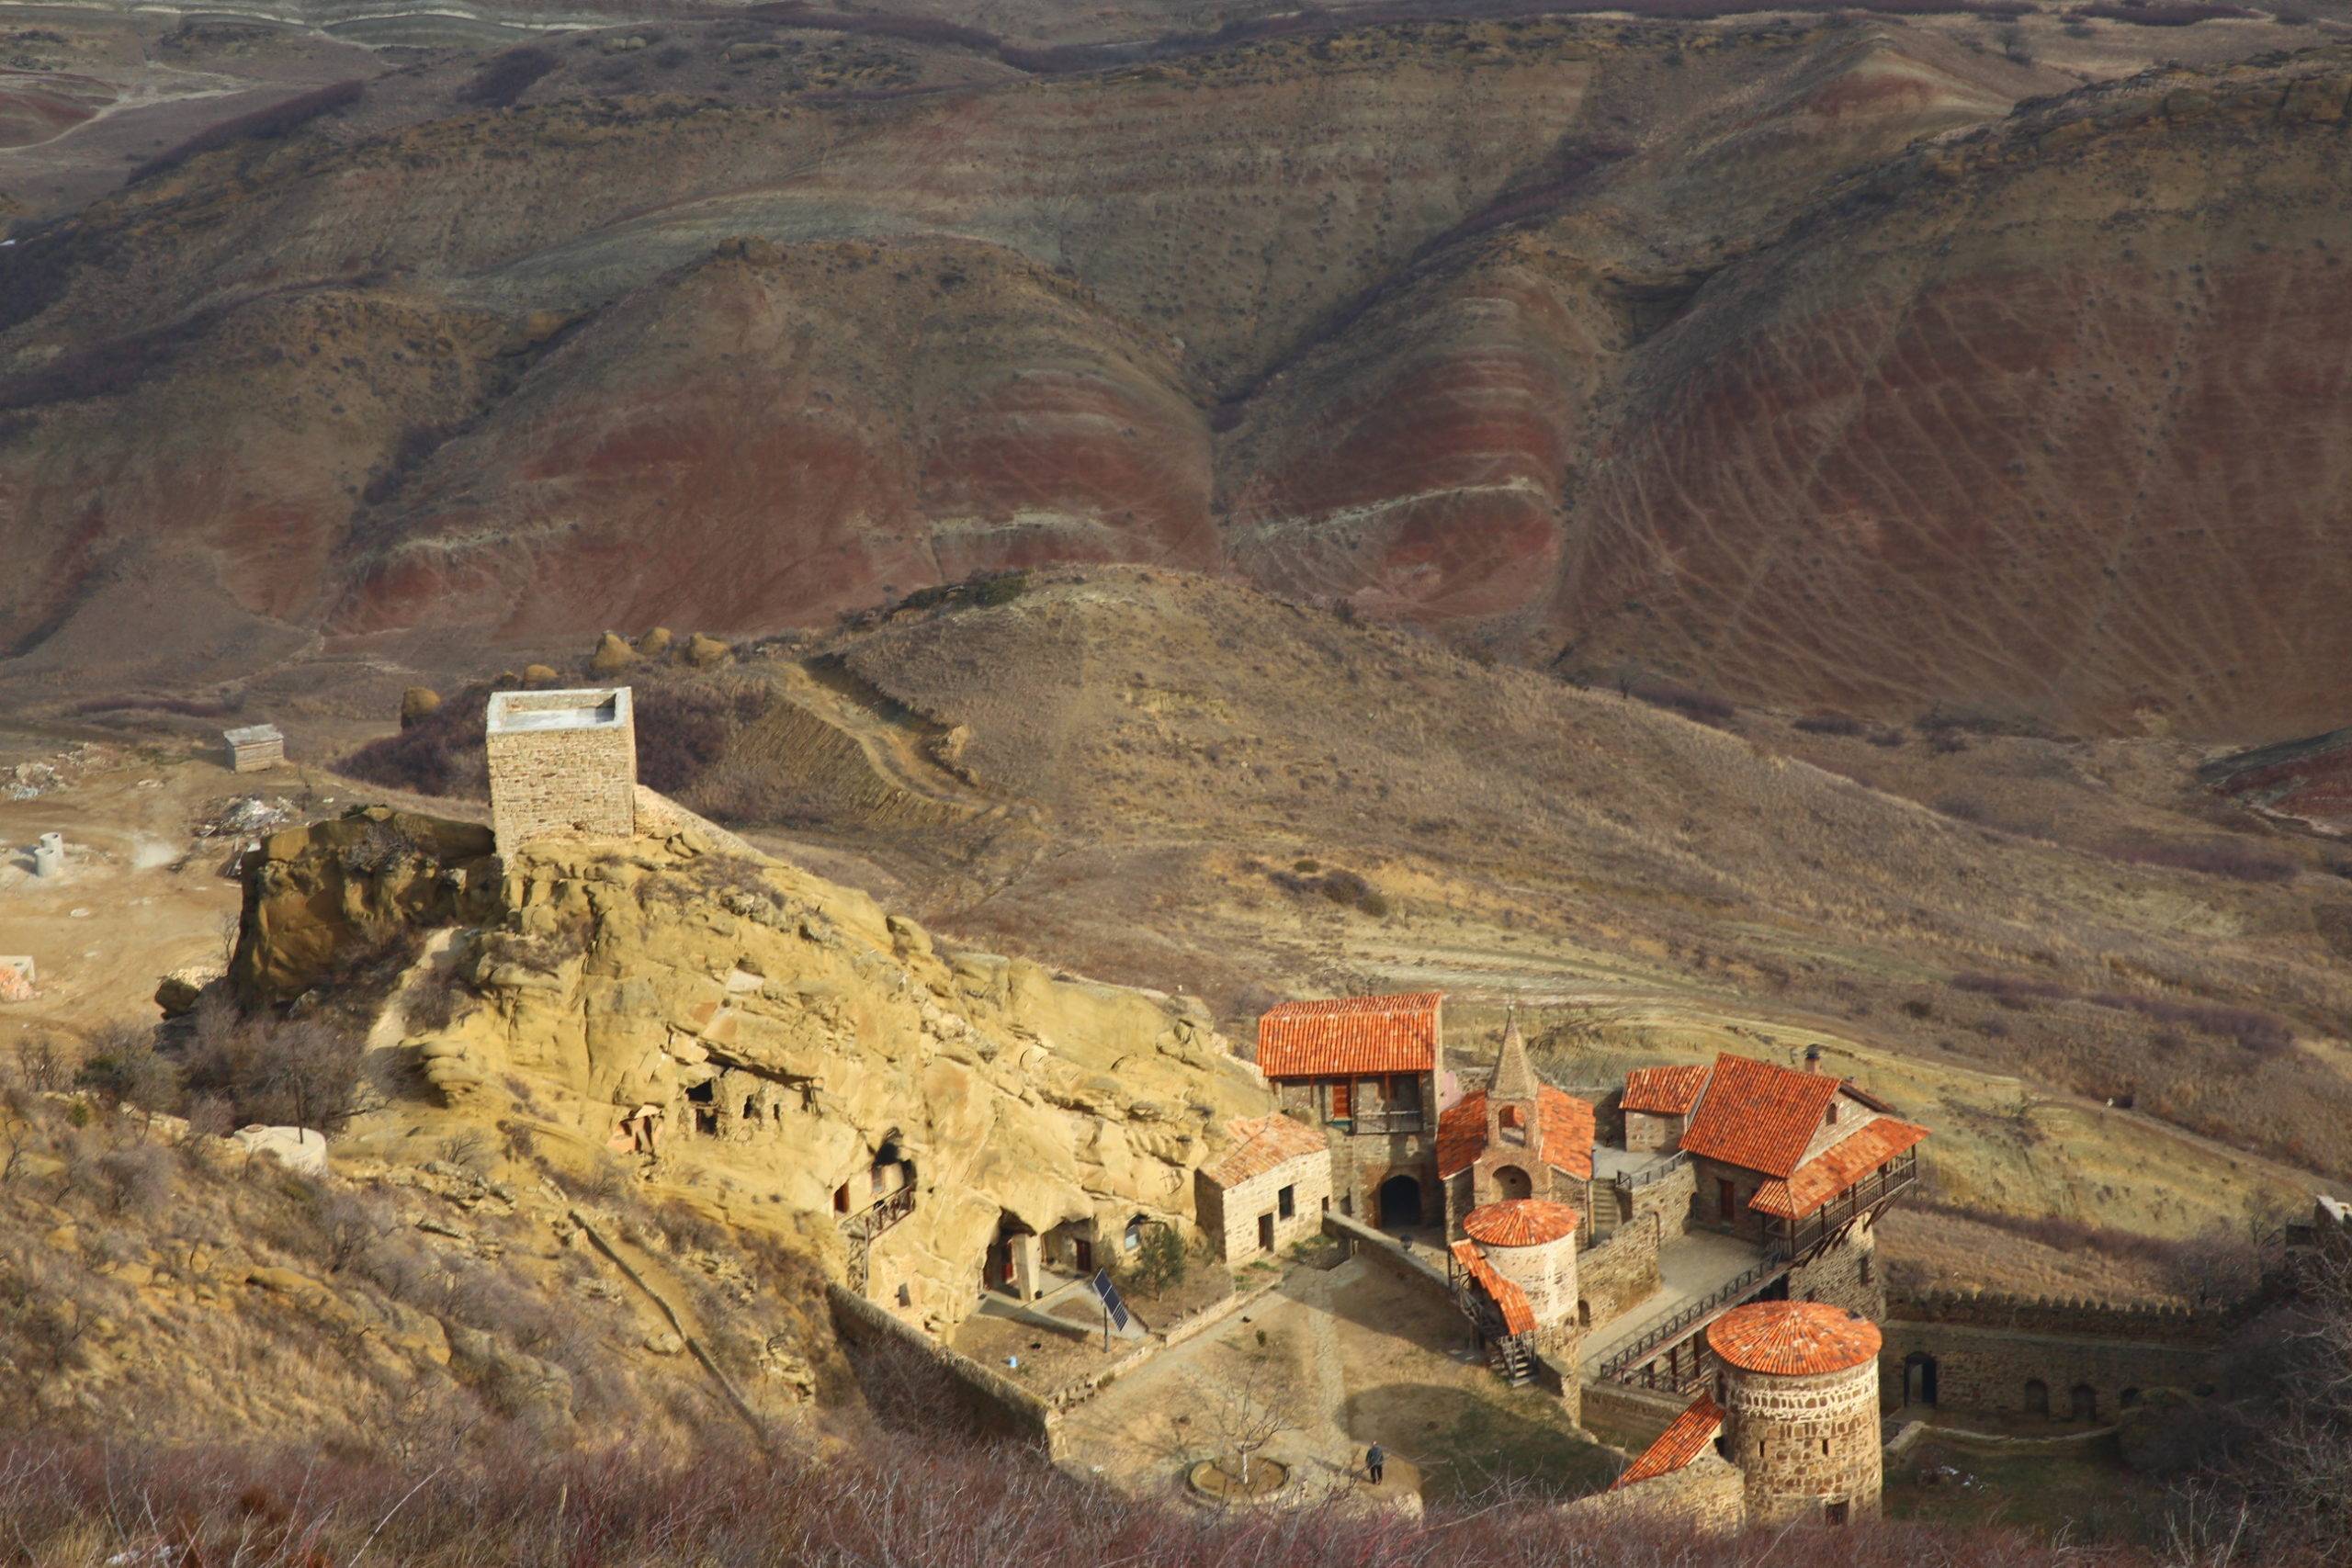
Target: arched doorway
x: 1918, y: 1378
x: 2037, y: 1398
x: 2083, y: 1402
x: 1512, y: 1182
x: 1400, y: 1202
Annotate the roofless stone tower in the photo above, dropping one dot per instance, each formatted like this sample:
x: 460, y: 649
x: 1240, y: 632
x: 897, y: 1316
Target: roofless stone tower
x: 1799, y: 1391
x: 561, y: 763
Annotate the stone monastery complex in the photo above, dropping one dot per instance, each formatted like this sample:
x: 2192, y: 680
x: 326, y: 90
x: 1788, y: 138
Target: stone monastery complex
x: 1696, y: 1245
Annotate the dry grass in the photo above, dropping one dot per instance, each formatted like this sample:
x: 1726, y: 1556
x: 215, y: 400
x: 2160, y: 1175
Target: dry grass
x: 1520, y: 833
x: 911, y: 1501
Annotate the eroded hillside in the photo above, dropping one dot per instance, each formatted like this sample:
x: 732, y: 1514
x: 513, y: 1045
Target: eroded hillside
x: 1867, y: 360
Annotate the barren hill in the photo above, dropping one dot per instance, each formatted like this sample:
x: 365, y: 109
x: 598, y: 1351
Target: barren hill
x: 1784, y: 356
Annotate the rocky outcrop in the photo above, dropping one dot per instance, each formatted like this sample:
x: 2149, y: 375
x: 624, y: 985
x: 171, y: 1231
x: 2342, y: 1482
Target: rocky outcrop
x: 312, y: 894
x: 735, y: 1024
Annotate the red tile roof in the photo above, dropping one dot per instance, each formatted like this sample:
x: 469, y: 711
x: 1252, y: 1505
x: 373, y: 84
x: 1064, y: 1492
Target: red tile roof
x: 1347, y: 1035
x: 1567, y: 1134
x: 1518, y: 1315
x: 1835, y: 1168
x: 1684, y: 1439
x: 1519, y: 1222
x: 1260, y: 1144
x: 1792, y: 1338
x: 1757, y: 1116
x: 1665, y: 1091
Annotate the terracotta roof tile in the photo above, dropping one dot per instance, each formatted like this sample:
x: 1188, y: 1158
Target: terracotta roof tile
x: 1664, y: 1091
x: 1792, y: 1338
x: 1757, y: 1116
x: 1837, y: 1167
x: 1567, y: 1134
x: 1684, y: 1439
x: 1518, y: 1315
x: 1261, y: 1144
x: 1350, y: 1034
x: 1519, y: 1222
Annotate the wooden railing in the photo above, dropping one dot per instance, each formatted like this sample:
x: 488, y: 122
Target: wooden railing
x: 1622, y: 1365
x: 1628, y: 1181
x: 1810, y: 1232
x: 862, y: 1227
x: 1373, y: 1122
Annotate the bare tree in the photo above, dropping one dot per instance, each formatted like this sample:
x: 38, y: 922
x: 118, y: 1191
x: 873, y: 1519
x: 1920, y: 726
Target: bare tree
x: 1245, y: 1413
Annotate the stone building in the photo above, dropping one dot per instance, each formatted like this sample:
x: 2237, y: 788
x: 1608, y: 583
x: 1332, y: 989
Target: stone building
x: 1271, y: 1190
x: 1366, y: 1071
x: 1797, y: 1382
x: 1532, y: 1242
x: 1519, y: 1137
x: 562, y: 763
x: 1658, y: 1102
x: 1799, y: 1163
x: 254, y: 748
x: 1792, y: 1415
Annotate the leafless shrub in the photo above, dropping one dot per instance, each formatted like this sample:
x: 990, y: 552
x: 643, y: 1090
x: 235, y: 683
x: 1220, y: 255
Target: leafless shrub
x: 281, y: 1072
x: 134, y: 1180
x: 351, y: 1224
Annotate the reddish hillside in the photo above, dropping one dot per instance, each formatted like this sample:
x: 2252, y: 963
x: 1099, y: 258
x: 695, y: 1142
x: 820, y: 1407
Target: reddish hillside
x: 2308, y: 781
x: 1777, y: 358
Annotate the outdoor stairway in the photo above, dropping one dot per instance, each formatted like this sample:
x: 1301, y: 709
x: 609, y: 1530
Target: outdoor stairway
x: 862, y: 1227
x: 1511, y: 1359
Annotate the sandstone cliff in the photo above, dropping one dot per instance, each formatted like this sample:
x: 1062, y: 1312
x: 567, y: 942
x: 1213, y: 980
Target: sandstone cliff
x: 760, y: 1040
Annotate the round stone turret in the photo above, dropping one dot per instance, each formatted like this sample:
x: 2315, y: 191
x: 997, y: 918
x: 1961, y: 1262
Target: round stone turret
x: 1532, y: 1242
x: 1799, y: 1391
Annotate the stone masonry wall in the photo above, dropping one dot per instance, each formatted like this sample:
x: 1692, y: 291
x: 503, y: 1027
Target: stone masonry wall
x: 1804, y: 1443
x: 1229, y: 1216
x: 1846, y: 1275
x: 1989, y: 1370
x: 1709, y: 1494
x: 1649, y: 1130
x: 1359, y: 1165
x: 1615, y: 1274
x: 552, y: 782
x: 1668, y: 1198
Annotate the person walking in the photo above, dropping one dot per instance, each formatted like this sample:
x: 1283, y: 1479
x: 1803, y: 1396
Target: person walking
x: 1374, y: 1459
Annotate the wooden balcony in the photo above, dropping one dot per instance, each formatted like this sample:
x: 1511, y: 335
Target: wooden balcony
x: 1808, y: 1235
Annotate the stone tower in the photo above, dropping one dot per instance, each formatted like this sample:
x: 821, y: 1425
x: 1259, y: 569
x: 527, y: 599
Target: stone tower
x: 1512, y: 1164
x: 561, y: 763
x: 1532, y: 1242
x: 1799, y: 1391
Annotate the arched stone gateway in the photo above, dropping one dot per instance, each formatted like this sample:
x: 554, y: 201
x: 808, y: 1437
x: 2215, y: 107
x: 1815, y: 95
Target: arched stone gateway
x: 1400, y: 1202
x: 2037, y: 1398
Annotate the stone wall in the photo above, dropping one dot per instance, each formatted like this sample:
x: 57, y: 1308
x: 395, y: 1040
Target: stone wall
x: 1667, y: 1199
x: 1806, y: 1444
x: 1229, y: 1216
x: 555, y: 783
x: 1633, y: 1417
x: 1615, y: 1274
x: 1708, y: 1176
x: 1994, y: 1369
x: 1846, y: 1275
x: 2067, y: 1315
x: 1649, y: 1130
x: 1003, y: 1406
x: 1361, y: 1162
x: 1709, y: 1495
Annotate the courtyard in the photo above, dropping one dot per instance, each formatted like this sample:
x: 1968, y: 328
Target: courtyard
x: 1339, y: 1358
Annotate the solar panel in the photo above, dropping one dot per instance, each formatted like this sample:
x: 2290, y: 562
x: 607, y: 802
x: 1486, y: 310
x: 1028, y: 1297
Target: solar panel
x: 1108, y: 1292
